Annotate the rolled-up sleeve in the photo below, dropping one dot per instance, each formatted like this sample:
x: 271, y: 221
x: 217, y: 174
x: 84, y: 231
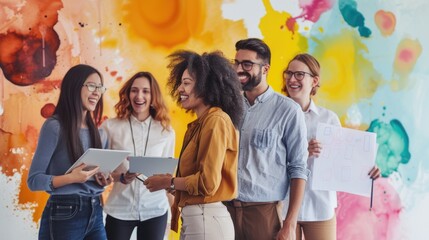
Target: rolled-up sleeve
x: 296, y: 144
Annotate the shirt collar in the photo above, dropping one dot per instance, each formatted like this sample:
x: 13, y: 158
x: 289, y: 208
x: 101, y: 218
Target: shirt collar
x: 264, y: 96
x: 313, y: 107
x: 145, y: 122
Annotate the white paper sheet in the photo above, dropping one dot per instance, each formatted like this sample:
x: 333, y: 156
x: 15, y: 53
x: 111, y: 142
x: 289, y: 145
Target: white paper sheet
x: 346, y: 158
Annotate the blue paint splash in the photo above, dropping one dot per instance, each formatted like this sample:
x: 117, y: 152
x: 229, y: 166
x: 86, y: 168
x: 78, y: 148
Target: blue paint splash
x: 353, y: 17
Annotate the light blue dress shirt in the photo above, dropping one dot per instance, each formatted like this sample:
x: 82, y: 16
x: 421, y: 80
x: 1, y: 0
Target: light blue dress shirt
x: 273, y: 148
x: 317, y: 205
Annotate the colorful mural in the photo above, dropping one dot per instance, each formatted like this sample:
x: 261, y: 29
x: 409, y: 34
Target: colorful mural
x: 374, y: 76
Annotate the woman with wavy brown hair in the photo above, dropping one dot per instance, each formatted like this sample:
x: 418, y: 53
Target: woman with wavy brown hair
x: 142, y: 126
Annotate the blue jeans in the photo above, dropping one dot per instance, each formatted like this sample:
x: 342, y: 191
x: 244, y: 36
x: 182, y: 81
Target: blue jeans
x: 70, y: 217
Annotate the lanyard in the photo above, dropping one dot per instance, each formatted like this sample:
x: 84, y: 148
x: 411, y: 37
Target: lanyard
x: 147, y: 136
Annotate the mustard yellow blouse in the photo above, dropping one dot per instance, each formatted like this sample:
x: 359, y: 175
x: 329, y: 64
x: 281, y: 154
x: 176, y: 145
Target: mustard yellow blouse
x: 208, y: 162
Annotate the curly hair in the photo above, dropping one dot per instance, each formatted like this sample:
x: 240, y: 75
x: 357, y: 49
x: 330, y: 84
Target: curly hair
x: 312, y: 64
x: 158, y: 109
x: 216, y: 84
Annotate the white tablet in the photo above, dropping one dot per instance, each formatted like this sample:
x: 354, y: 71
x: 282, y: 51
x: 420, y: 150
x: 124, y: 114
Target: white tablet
x: 149, y: 166
x: 108, y: 160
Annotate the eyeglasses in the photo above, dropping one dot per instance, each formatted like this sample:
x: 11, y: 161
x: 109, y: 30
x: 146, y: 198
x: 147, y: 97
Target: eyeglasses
x: 299, y: 75
x: 92, y: 87
x: 246, y: 64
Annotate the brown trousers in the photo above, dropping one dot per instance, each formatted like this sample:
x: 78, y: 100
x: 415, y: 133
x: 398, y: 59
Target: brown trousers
x: 317, y: 230
x: 255, y: 220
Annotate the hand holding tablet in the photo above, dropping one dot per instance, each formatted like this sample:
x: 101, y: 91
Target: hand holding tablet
x: 149, y: 166
x: 108, y: 160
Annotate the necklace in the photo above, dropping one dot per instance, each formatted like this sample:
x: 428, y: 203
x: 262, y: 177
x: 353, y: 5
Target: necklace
x: 132, y: 136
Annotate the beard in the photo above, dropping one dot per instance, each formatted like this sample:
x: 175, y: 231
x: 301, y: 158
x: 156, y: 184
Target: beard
x: 254, y: 80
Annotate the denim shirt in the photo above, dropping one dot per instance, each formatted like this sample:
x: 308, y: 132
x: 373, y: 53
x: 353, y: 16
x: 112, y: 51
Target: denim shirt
x: 273, y: 148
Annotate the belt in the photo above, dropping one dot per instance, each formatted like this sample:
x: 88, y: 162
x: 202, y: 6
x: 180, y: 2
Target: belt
x: 240, y: 204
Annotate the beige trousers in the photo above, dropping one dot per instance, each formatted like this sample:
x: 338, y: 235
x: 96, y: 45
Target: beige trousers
x: 206, y: 221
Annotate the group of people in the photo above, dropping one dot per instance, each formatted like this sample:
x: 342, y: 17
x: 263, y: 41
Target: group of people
x: 248, y: 150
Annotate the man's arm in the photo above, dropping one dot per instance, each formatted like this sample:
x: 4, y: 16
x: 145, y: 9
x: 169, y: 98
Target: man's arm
x: 288, y: 231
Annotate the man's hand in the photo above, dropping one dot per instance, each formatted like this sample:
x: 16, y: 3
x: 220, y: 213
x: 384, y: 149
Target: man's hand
x: 287, y: 232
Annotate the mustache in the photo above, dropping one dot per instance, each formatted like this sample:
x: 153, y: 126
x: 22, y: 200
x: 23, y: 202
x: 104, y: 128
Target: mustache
x: 246, y: 74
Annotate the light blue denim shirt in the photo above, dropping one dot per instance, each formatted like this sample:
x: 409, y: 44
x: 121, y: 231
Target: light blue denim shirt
x: 273, y: 148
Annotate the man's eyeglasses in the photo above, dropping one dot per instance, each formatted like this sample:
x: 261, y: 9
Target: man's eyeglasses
x: 246, y: 64
x: 299, y: 75
x: 92, y: 87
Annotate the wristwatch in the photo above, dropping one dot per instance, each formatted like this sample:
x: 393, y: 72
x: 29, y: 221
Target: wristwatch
x: 172, y: 187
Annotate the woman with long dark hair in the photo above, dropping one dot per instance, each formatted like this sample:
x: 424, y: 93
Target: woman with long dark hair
x: 73, y: 210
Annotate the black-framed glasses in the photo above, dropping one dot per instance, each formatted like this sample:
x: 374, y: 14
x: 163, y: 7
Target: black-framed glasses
x: 246, y: 64
x: 92, y: 87
x: 299, y: 75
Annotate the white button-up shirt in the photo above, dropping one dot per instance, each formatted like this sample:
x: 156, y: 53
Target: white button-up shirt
x: 134, y: 201
x: 317, y: 205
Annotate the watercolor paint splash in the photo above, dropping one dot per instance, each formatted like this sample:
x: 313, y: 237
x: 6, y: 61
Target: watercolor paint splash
x: 355, y: 221
x: 408, y: 52
x: 311, y: 11
x: 393, y: 145
x: 29, y: 45
x: 385, y: 21
x: 353, y: 17
x: 164, y: 22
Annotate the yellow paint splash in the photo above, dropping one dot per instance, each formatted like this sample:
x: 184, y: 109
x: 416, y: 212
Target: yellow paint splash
x: 346, y: 75
x: 284, y: 44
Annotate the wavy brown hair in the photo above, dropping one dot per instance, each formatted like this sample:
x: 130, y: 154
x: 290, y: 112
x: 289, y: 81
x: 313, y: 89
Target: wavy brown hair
x: 158, y: 109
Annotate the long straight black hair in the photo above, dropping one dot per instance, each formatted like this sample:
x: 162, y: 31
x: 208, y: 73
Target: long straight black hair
x: 69, y: 111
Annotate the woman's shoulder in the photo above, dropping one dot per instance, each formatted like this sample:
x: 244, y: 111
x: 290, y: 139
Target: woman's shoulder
x: 51, y: 123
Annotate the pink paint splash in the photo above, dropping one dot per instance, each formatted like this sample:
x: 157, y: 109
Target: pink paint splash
x: 406, y: 55
x: 355, y: 221
x: 312, y: 10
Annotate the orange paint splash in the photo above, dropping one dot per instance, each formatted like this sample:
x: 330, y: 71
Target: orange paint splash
x: 407, y: 54
x: 28, y: 50
x: 164, y: 22
x: 385, y: 21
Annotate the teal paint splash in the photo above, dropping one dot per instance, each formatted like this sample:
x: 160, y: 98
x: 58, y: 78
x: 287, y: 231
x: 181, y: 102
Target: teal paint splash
x: 393, y: 145
x: 353, y: 17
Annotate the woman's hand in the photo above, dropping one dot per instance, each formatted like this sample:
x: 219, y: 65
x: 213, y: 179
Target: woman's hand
x: 158, y: 182
x: 80, y: 175
x: 127, y: 177
x: 374, y: 173
x: 103, y: 180
x: 314, y: 148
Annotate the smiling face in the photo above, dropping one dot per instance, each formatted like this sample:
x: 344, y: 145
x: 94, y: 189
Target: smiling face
x: 249, y: 79
x: 300, y: 90
x: 90, y: 99
x: 188, y: 99
x: 140, y: 97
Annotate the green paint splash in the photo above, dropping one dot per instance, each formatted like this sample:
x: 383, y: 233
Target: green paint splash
x: 393, y: 145
x: 353, y: 17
